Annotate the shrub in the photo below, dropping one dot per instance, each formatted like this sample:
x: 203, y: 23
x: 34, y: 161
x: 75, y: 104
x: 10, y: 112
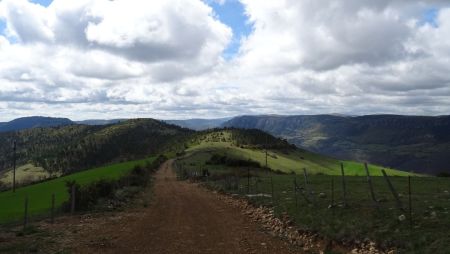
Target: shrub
x: 443, y: 174
x: 87, y: 197
x: 217, y: 159
x: 3, y: 187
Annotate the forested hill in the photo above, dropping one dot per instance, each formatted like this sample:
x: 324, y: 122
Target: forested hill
x: 199, y: 124
x: 33, y: 122
x: 411, y: 143
x: 76, y: 147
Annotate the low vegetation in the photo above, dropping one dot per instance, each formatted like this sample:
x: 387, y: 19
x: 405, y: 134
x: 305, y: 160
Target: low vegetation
x: 111, y: 193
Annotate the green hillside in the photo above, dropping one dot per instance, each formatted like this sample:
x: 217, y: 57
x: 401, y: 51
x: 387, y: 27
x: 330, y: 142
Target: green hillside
x: 69, y: 149
x: 12, y: 204
x: 410, y: 143
x: 281, y: 156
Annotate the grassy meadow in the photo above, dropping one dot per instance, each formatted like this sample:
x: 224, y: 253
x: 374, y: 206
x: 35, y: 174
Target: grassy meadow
x: 39, y: 195
x: 287, y: 161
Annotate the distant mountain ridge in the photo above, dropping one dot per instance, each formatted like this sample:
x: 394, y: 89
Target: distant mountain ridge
x: 199, y: 124
x: 33, y: 122
x: 39, y: 121
x: 413, y: 143
x: 100, y: 121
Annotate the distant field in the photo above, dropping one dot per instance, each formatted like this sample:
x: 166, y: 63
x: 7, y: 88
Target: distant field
x: 292, y: 161
x: 12, y: 204
x: 25, y: 173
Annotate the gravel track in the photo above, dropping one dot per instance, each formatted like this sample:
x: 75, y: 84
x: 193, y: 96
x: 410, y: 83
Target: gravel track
x: 183, y: 218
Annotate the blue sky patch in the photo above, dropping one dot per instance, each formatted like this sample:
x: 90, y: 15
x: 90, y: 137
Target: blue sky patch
x: 232, y: 13
x: 430, y: 17
x: 2, y: 27
x: 43, y: 2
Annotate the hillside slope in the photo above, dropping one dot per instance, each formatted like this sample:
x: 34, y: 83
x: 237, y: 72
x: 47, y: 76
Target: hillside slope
x: 236, y: 144
x: 412, y: 143
x: 76, y: 147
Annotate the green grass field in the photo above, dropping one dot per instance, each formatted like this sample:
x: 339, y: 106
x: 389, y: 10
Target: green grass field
x: 39, y: 195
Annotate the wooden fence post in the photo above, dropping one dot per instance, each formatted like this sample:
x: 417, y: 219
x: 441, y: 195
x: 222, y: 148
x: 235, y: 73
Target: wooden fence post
x: 308, y: 191
x: 295, y: 192
x: 25, y: 217
x: 72, y: 207
x: 248, y: 180
x: 266, y: 151
x: 369, y: 181
x: 52, y: 213
x: 344, y: 187
x: 14, y: 166
x: 410, y: 202
x: 271, y: 187
x: 332, y: 192
x: 394, y: 193
x: 305, y: 177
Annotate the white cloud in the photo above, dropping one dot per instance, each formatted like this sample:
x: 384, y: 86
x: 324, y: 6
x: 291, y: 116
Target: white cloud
x: 26, y: 21
x: 324, y: 35
x: 94, y: 51
x: 325, y: 56
x: 128, y: 58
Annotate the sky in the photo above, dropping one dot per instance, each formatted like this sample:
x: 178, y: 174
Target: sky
x: 179, y: 59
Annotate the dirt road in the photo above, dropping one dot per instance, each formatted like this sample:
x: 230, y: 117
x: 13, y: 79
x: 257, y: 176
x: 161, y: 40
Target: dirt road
x: 184, y: 218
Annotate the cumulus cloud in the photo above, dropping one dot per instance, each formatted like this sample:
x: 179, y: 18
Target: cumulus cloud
x: 89, y: 51
x: 323, y: 35
x: 329, y: 55
x: 128, y: 58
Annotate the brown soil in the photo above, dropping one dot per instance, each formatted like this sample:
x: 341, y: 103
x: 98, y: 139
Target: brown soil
x: 182, y: 218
